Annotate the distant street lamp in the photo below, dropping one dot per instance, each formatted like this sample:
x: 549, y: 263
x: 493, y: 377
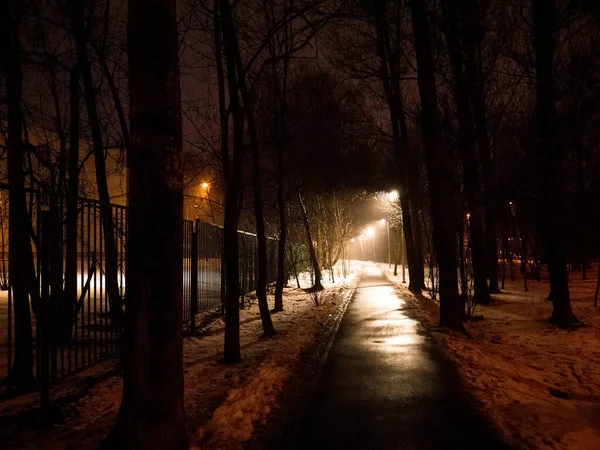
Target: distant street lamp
x: 392, y: 196
x: 362, y: 248
x: 370, y: 232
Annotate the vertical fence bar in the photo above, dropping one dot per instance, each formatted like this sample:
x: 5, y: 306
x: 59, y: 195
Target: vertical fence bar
x: 89, y: 296
x: 194, y: 280
x: 103, y: 299
x: 10, y: 343
x: 95, y: 238
x: 43, y: 314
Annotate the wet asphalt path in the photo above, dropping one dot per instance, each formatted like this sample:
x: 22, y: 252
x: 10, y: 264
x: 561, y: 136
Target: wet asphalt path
x: 384, y: 385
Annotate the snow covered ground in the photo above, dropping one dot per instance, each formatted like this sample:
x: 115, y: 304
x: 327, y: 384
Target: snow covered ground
x: 225, y: 405
x: 539, y: 385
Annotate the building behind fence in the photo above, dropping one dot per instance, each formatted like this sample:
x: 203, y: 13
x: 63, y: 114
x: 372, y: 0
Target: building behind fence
x: 92, y: 336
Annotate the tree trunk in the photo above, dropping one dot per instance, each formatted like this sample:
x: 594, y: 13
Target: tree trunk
x: 280, y: 110
x: 461, y: 261
x: 281, y: 275
x: 417, y: 281
x: 20, y: 263
x: 233, y: 190
x: 440, y: 172
x: 261, y: 281
x: 152, y: 415
x: 473, y: 35
x: 544, y: 25
x: 409, y: 189
x: 311, y: 249
x: 467, y: 149
x: 110, y: 250
x: 72, y: 195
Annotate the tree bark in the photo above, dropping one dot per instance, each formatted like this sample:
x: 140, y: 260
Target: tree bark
x: 152, y: 415
x: 233, y: 189
x: 20, y: 264
x: 440, y: 172
x: 549, y: 154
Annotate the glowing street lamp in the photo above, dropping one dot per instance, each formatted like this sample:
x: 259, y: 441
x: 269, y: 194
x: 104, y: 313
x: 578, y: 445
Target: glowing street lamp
x: 392, y: 196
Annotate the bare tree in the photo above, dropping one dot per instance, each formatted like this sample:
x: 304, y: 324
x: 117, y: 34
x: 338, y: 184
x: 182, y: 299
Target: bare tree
x: 80, y: 32
x: 440, y: 171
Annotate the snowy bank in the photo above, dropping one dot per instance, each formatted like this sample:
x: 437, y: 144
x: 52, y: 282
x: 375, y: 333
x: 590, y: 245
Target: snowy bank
x: 538, y: 384
x: 225, y: 405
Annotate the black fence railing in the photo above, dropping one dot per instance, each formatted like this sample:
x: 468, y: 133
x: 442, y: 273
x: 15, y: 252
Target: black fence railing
x: 203, y: 266
x: 77, y: 326
x: 74, y: 332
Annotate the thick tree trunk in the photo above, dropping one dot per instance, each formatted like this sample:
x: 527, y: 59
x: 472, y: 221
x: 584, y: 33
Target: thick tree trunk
x: 417, y: 281
x: 233, y: 190
x: 110, y: 250
x: 440, y: 171
x: 407, y: 226
x: 20, y: 264
x: 152, y: 415
x: 544, y: 26
x: 311, y: 249
x: 466, y: 132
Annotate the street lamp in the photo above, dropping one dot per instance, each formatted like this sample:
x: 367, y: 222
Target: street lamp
x: 392, y: 196
x: 387, y: 223
x: 370, y: 232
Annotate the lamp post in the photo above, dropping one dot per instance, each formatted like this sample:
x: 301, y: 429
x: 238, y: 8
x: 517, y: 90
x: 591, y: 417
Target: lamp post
x: 387, y: 224
x: 370, y: 232
x: 362, y: 249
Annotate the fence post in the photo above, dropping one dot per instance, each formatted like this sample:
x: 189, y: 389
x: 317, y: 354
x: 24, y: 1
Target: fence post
x: 42, y: 320
x: 223, y: 268
x: 194, y: 279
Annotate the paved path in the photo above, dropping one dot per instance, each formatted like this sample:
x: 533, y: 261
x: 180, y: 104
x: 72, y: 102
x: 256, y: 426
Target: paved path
x: 385, y: 386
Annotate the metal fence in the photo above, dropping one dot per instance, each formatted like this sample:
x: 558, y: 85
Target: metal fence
x: 203, y: 266
x: 80, y: 331
x: 70, y: 338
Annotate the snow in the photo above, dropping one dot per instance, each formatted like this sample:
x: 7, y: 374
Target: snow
x: 225, y: 405
x: 537, y: 384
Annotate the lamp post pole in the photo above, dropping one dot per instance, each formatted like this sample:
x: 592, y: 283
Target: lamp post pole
x: 389, y: 248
